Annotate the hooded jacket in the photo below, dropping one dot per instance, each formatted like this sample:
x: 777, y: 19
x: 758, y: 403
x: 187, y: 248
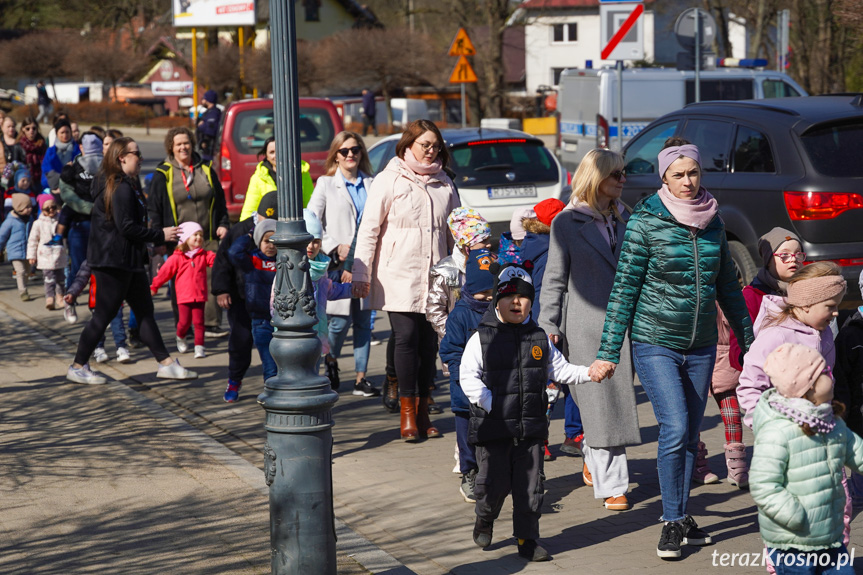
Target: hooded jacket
x: 461, y: 324
x: 47, y: 257
x: 667, y: 282
x: 190, y: 275
x: 753, y: 381
x: 13, y: 237
x: 796, y: 480
x: 259, y: 272
x: 752, y: 294
x: 446, y: 280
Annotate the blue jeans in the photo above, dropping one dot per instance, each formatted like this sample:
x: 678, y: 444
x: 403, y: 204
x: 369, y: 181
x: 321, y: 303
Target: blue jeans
x: 466, y: 449
x: 796, y: 562
x: 676, y: 384
x: 79, y: 236
x: 337, y: 327
x: 118, y: 331
x: 262, y: 334
x: 572, y: 416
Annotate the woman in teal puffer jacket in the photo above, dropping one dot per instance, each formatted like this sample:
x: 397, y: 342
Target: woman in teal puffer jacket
x: 801, y: 448
x: 674, y: 266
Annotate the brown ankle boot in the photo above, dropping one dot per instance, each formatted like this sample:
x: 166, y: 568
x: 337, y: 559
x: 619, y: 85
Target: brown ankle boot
x: 426, y: 429
x: 409, y: 419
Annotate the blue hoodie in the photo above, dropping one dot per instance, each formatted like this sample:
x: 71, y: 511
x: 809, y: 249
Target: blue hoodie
x: 535, y: 248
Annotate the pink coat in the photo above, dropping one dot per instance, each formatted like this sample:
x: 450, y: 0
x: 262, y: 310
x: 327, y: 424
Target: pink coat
x: 724, y: 375
x: 402, y: 235
x: 190, y: 275
x: 752, y: 296
x: 753, y: 380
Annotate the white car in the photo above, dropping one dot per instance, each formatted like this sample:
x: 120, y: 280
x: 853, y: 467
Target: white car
x: 496, y: 170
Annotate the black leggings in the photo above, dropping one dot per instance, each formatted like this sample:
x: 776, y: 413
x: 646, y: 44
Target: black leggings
x: 415, y: 353
x: 112, y: 287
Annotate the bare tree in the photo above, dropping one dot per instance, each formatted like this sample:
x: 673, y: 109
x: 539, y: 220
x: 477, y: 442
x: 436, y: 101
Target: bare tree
x: 219, y: 68
x: 259, y: 69
x: 388, y: 61
x: 38, y: 55
x: 104, y: 56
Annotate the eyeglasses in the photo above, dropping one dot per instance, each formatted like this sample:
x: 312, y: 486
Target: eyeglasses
x: 788, y: 257
x: 618, y: 174
x: 135, y: 153
x: 426, y: 146
x: 355, y: 150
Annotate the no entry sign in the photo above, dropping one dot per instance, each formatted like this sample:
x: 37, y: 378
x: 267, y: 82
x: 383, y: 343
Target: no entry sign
x: 621, y: 30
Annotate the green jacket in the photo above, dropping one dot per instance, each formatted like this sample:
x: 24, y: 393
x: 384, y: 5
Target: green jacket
x: 667, y: 282
x: 796, y: 480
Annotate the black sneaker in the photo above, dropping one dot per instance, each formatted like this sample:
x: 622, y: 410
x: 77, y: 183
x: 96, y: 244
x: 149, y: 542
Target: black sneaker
x: 216, y: 331
x: 531, y: 551
x: 366, y: 389
x: 670, y: 540
x: 333, y: 372
x: 692, y: 535
x: 482, y: 530
x: 468, y: 482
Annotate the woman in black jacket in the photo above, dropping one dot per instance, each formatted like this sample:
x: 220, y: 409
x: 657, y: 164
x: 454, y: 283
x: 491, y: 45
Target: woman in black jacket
x: 117, y: 254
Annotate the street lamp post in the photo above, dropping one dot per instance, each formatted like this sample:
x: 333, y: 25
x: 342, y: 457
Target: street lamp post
x: 298, y: 402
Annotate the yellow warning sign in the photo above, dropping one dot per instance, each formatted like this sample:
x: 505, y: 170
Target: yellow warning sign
x: 462, y: 73
x: 461, y: 45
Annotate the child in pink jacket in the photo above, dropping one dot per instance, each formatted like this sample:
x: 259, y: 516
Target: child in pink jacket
x: 188, y: 268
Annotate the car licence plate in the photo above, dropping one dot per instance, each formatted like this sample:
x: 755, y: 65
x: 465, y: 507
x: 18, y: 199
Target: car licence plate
x: 503, y: 192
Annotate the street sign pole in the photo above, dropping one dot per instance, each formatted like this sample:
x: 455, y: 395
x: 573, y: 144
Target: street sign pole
x: 620, y: 104
x: 463, y: 108
x: 463, y: 72
x: 697, y: 55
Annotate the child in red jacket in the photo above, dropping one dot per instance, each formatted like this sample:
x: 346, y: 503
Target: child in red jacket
x: 188, y: 267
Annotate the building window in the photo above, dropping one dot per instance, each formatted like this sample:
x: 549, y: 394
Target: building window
x: 555, y: 75
x: 565, y: 32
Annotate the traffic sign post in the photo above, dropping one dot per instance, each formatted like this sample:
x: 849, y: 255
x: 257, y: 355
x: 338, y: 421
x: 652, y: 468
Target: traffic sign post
x: 463, y: 72
x: 621, y: 38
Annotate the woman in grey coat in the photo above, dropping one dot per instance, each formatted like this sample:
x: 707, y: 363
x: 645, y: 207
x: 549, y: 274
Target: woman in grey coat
x: 582, y: 260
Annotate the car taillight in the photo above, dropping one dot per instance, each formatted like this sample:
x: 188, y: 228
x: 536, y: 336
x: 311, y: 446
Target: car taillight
x: 820, y: 205
x: 843, y: 262
x: 568, y: 178
x: 601, y: 132
x: 225, y: 155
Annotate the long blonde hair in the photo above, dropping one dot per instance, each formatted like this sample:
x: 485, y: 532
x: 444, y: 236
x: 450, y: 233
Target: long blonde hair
x: 331, y: 166
x: 812, y: 271
x: 597, y: 165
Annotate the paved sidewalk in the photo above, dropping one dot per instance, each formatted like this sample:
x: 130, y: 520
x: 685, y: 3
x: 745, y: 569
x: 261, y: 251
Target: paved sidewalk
x: 99, y: 482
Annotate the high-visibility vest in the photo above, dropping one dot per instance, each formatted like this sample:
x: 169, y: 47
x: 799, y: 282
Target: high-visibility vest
x: 166, y: 170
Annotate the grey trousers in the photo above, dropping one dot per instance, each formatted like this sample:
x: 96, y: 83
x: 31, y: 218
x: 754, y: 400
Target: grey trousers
x: 609, y: 470
x: 22, y: 273
x: 54, y: 282
x: 505, y: 468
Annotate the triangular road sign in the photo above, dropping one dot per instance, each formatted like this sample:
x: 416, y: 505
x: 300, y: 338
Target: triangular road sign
x: 463, y: 72
x: 461, y: 45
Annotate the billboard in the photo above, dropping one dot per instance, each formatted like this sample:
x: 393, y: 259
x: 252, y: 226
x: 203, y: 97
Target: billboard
x: 194, y: 13
x: 172, y: 88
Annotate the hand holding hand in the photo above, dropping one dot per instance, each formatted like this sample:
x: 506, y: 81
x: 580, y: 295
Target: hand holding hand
x: 32, y: 261
x: 224, y: 300
x: 600, y: 369
x: 69, y: 299
x: 555, y: 339
x: 360, y: 289
x: 346, y: 277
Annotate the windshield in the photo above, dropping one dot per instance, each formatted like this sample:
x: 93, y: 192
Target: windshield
x: 835, y: 150
x: 499, y: 163
x: 253, y: 127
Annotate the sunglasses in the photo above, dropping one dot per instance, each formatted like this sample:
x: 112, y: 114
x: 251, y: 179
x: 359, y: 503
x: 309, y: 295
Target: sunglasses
x: 355, y: 150
x: 618, y: 174
x: 29, y: 128
x: 135, y: 153
x: 787, y: 258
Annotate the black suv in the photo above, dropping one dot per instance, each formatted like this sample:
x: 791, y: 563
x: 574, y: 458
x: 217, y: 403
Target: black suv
x: 796, y: 163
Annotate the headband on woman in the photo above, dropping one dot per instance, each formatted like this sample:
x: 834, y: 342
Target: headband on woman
x: 668, y: 155
x: 809, y: 292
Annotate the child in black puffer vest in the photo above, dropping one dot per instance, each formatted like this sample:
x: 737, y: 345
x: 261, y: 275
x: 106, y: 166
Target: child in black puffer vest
x: 504, y: 371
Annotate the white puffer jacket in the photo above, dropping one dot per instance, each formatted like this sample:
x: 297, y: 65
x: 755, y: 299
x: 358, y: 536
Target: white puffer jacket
x: 47, y: 257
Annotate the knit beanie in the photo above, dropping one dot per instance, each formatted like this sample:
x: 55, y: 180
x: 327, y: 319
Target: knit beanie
x: 515, y: 227
x: 43, y: 199
x: 794, y: 368
x: 187, y: 230
x: 22, y: 173
x: 313, y: 224
x: 91, y: 145
x: 20, y: 202
x: 811, y: 291
x: 772, y: 241
x: 468, y: 227
x: 513, y: 279
x: 211, y: 96
x: 262, y: 227
x: 478, y: 276
x: 269, y: 206
x: 547, y: 209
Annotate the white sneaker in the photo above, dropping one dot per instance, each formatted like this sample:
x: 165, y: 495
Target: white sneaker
x: 175, y: 371
x: 70, y: 315
x: 199, y: 352
x: 100, y: 355
x: 123, y: 355
x: 182, y: 346
x: 84, y: 375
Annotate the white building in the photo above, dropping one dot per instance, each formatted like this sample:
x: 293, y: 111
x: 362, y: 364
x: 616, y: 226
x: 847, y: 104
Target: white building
x: 560, y: 34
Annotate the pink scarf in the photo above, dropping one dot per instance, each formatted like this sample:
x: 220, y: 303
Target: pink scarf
x: 423, y: 171
x: 694, y: 213
x: 192, y: 253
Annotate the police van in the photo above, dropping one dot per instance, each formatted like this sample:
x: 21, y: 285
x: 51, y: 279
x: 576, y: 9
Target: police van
x: 587, y: 101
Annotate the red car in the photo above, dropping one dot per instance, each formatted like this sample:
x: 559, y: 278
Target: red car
x: 248, y: 123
